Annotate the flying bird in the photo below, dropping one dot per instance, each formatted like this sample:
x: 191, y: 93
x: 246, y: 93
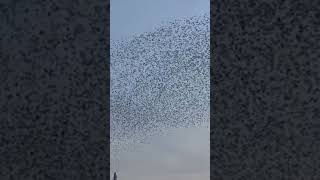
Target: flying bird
x: 159, y: 80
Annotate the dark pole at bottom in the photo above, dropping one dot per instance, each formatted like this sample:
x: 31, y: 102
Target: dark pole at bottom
x: 115, y: 176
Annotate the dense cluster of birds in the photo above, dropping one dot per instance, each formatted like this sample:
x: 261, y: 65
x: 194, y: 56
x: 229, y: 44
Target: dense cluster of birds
x: 159, y: 80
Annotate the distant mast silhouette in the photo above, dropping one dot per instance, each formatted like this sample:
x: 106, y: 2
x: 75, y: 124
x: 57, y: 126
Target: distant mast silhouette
x: 115, y: 176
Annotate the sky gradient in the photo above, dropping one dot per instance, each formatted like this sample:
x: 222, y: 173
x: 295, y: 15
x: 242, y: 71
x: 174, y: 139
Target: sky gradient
x: 181, y: 153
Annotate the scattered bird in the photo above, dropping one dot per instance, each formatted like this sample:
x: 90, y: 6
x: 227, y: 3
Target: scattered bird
x: 159, y: 80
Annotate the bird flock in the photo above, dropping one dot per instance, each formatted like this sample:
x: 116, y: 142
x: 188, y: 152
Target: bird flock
x: 159, y: 80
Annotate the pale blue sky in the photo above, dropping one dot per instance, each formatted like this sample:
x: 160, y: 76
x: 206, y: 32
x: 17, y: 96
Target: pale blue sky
x: 132, y: 17
x: 181, y: 153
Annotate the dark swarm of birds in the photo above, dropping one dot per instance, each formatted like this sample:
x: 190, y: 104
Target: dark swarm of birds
x: 159, y: 80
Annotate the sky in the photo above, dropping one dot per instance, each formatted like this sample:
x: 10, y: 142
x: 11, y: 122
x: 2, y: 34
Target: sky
x: 132, y: 17
x: 180, y: 153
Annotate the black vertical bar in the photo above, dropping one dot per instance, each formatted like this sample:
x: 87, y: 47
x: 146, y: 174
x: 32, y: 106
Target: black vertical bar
x: 54, y: 90
x: 213, y: 11
x: 265, y: 89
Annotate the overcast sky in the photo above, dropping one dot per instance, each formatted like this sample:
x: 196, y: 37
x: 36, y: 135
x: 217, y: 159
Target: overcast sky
x: 180, y: 154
